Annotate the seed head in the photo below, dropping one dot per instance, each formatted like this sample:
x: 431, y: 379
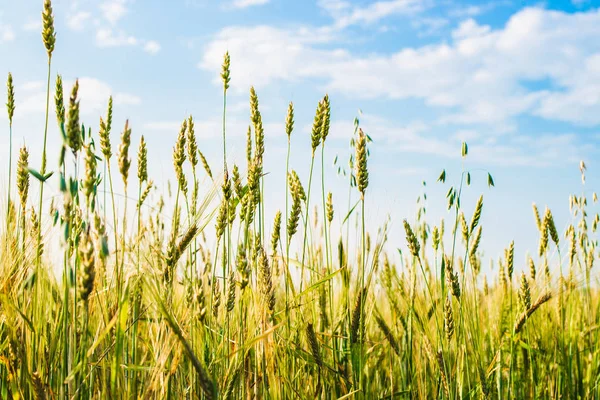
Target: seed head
x: 192, y: 146
x: 48, y: 34
x: 289, y: 120
x: 23, y: 176
x: 10, y: 104
x: 225, y: 74
x: 329, y: 206
x: 205, y: 164
x: 317, y: 127
x: 266, y: 281
x: 123, y: 156
x: 59, y: 101
x: 448, y: 318
x: 89, y: 183
x: 524, y: 292
x: 86, y: 253
x: 326, y: 118
x: 105, y: 128
x: 74, y: 138
x: 476, y: 214
x: 510, y: 259
x: 362, y: 174
x: 231, y: 286
x: 276, y: 232
x: 314, y: 345
x: 411, y: 239
x: 142, y: 161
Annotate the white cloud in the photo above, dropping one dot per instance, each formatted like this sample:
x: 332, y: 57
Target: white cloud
x: 93, y: 95
x: 77, y: 21
x: 469, y: 28
x: 107, y: 38
x: 345, y: 15
x: 213, y: 127
x: 481, y: 76
x: 32, y: 25
x: 6, y: 33
x: 113, y: 10
x: 248, y: 3
x: 152, y: 47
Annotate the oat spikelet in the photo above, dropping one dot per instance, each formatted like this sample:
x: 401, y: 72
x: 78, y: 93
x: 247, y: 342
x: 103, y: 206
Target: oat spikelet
x: 362, y: 173
x: 526, y: 314
x: 10, y: 104
x: 74, y: 139
x: 289, y: 120
x: 313, y: 343
x: 48, y: 33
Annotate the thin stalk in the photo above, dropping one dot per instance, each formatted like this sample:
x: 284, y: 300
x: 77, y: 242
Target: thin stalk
x: 312, y: 164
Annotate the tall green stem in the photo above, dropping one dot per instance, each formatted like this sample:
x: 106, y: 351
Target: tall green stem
x: 306, y: 218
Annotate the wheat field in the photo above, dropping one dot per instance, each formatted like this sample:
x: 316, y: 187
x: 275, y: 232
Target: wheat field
x: 192, y: 294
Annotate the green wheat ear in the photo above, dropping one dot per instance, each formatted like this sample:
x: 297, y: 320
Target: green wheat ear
x: 48, y: 34
x: 10, y: 103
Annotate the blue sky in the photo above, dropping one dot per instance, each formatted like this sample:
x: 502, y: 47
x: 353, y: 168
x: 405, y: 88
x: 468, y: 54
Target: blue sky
x: 518, y: 80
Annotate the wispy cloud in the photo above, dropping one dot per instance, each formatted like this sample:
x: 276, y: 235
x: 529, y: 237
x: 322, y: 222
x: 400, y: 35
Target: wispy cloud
x: 476, y: 78
x: 77, y: 20
x: 93, y: 94
x: 240, y: 4
x: 6, y: 33
x: 105, y: 37
x: 152, y: 47
x: 113, y: 10
x: 32, y: 25
x: 345, y: 14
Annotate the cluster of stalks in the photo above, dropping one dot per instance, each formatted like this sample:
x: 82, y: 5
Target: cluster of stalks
x: 156, y: 309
